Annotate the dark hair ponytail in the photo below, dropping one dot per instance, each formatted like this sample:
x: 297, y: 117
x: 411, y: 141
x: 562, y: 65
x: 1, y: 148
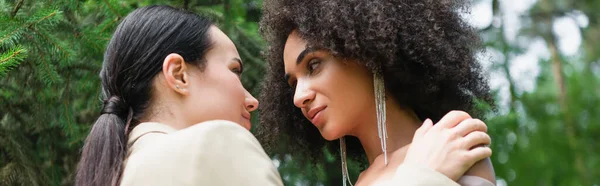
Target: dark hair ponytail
x: 105, y: 147
x: 132, y: 59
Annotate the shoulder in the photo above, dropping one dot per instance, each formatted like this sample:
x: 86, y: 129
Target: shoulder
x: 212, y: 128
x: 483, y: 169
x: 198, y: 141
x: 217, y: 136
x: 208, y: 152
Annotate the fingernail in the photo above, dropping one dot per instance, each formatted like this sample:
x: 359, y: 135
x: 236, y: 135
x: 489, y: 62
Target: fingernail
x: 428, y: 121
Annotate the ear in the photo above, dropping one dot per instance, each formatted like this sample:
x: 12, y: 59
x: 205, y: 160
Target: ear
x: 174, y: 71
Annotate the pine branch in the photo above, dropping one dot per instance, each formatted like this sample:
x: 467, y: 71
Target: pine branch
x: 11, y: 59
x: 228, y: 17
x: 66, y: 104
x: 112, y: 9
x: 29, y: 23
x: 209, y: 2
x: 212, y: 14
x: 8, y: 174
x: 12, y: 112
x: 92, y: 40
x: 251, y: 58
x: 22, y: 158
x: 109, y: 24
x: 80, y: 67
x: 253, y: 42
x: 50, y: 76
x: 17, y: 7
x: 10, y: 32
x: 186, y: 4
x: 64, y: 54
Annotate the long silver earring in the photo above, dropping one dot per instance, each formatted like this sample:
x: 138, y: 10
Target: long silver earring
x: 379, y: 86
x: 345, y: 175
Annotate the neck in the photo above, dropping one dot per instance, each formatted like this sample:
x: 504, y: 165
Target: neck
x: 167, y: 118
x: 401, y: 125
x: 161, y: 110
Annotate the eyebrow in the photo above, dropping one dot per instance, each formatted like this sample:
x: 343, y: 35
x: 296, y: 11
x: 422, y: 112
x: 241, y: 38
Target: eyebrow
x: 301, y: 57
x: 303, y: 54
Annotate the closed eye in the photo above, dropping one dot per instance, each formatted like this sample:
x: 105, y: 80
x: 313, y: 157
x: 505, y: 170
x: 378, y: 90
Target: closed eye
x: 239, y: 68
x: 237, y: 71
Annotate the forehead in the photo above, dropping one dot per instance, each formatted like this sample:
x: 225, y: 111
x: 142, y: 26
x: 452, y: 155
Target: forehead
x: 293, y: 47
x: 221, y: 42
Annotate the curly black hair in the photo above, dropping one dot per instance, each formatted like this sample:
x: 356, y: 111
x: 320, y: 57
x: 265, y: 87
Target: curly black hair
x: 424, y: 49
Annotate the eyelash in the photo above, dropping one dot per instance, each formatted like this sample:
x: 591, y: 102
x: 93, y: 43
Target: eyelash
x: 293, y: 85
x: 310, y: 68
x: 237, y: 71
x: 311, y: 63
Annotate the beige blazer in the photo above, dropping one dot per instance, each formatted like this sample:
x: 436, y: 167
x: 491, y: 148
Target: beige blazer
x: 209, y: 153
x: 219, y: 153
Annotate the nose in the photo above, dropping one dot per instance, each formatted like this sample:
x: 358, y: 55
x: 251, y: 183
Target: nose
x: 303, y: 95
x: 250, y: 102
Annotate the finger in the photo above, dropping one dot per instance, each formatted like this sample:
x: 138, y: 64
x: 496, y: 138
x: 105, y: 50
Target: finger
x: 452, y: 119
x: 475, y: 138
x: 424, y: 128
x: 469, y: 125
x: 477, y: 154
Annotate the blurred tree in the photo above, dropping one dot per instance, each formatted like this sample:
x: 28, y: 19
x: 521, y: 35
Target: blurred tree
x: 547, y: 136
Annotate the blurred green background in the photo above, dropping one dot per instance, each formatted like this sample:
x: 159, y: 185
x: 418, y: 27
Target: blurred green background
x: 542, y: 58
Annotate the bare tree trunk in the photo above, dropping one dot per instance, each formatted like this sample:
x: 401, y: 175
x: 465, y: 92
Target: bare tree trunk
x: 564, y: 106
x: 505, y: 50
x: 511, y: 83
x: 559, y: 79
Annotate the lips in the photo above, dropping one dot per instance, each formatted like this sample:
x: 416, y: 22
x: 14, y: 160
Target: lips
x: 314, y: 111
x: 246, y: 124
x: 246, y: 115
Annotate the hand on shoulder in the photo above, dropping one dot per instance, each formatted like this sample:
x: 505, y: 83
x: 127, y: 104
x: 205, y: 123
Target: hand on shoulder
x: 452, y: 146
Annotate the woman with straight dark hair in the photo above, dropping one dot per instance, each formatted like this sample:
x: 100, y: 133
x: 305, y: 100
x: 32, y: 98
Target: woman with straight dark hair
x: 175, y: 111
x: 165, y: 70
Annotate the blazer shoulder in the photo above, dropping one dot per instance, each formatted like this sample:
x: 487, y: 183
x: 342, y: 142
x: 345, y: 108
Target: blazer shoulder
x: 213, y: 126
x: 214, y: 133
x: 215, y: 152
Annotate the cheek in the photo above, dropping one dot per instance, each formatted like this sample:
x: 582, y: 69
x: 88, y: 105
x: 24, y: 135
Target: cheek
x: 223, y: 92
x: 232, y: 87
x: 350, y: 92
x: 236, y: 89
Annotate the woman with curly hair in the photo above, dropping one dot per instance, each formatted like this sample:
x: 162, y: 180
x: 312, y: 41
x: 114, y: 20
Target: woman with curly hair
x: 374, y: 71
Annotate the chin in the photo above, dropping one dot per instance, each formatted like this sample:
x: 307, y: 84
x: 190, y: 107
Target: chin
x: 330, y: 134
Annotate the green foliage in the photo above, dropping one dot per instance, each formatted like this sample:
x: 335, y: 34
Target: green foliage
x: 11, y: 59
x: 51, y: 53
